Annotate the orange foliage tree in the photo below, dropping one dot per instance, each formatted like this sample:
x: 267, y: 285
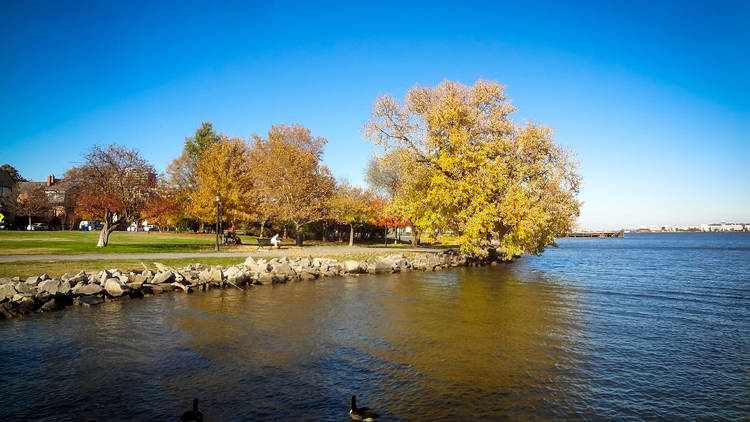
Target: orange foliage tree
x: 293, y: 187
x: 115, y: 185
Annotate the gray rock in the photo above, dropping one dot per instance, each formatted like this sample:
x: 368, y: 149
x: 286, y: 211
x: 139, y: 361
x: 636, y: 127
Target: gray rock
x: 89, y: 300
x: 163, y: 277
x: 181, y: 286
x: 67, y: 277
x: 87, y: 289
x: 26, y: 305
x: 250, y: 262
x: 50, y: 305
x: 5, y: 280
x: 279, y: 278
x: 283, y: 269
x: 167, y: 287
x: 308, y: 276
x: 33, y: 280
x: 8, y: 310
x: 265, y: 278
x: 352, y: 267
x: 161, y: 267
x: 376, y: 266
x: 24, y: 288
x: 134, y: 285
x: 140, y: 278
x: 214, y: 275
x: 7, y: 291
x: 55, y: 287
x: 115, y: 287
x: 152, y: 289
x: 44, y: 277
x: 43, y: 296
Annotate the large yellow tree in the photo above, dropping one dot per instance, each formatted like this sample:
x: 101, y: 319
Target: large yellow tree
x: 224, y: 169
x: 467, y: 167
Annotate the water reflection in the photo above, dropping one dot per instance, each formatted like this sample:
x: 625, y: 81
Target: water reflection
x: 461, y: 344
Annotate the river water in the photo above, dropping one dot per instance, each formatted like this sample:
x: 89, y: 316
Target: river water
x: 646, y: 327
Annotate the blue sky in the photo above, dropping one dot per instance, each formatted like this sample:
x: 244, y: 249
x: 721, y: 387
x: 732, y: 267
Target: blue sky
x: 653, y: 98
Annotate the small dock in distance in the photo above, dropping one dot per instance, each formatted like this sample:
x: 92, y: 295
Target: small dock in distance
x: 600, y: 235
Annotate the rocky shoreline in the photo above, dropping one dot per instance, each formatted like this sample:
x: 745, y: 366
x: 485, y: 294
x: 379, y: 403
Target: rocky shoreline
x: 45, y: 294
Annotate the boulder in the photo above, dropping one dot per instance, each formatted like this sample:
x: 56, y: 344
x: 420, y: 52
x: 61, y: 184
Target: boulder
x: 161, y: 267
x: 250, y: 262
x: 115, y: 287
x: 50, y: 305
x: 55, y: 287
x: 5, y: 280
x: 283, y: 269
x: 8, y: 310
x: 87, y: 289
x: 215, y: 275
x: 181, y: 286
x: 33, y: 281
x: 90, y: 300
x: 166, y: 287
x: 163, y: 277
x: 7, y: 291
x: 152, y: 289
x: 352, y: 267
x: 377, y: 266
x: 306, y: 275
x: 25, y: 305
x: 265, y: 278
x: 26, y: 289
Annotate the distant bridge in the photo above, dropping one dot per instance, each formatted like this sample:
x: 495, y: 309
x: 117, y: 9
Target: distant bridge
x: 602, y: 235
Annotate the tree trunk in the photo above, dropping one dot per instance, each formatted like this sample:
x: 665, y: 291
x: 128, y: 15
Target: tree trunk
x: 283, y: 236
x: 298, y: 235
x: 414, y: 237
x: 385, y: 237
x: 340, y: 233
x: 325, y: 230
x: 262, y: 227
x: 351, y: 234
x: 202, y: 227
x: 29, y: 226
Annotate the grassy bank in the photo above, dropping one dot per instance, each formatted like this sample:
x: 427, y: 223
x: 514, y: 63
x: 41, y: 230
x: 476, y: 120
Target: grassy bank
x: 74, y: 242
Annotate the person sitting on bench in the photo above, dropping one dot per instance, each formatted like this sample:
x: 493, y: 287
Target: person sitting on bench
x: 275, y: 241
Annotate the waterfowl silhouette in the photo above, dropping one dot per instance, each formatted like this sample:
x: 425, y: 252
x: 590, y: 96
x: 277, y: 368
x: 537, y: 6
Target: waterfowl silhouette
x: 192, y: 415
x: 364, y: 414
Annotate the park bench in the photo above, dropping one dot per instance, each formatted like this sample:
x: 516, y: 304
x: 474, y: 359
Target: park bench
x: 262, y: 242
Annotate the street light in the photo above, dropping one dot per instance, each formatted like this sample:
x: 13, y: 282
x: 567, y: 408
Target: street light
x: 218, y: 200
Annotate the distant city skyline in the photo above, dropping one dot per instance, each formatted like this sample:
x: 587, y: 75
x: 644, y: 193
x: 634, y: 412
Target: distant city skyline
x: 653, y: 98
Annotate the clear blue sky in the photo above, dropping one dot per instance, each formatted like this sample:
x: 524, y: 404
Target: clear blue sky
x: 654, y: 97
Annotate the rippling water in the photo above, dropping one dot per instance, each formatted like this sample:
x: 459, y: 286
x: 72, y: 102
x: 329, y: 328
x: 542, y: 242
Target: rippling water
x: 646, y: 327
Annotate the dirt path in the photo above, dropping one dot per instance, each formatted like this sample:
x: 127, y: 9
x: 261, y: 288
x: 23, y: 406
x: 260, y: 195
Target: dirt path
x: 314, y: 251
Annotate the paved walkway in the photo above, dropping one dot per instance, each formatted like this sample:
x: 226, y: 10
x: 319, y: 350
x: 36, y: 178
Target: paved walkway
x: 314, y: 251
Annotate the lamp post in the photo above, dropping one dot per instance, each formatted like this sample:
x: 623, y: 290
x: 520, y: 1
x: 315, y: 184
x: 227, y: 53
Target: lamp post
x: 218, y: 199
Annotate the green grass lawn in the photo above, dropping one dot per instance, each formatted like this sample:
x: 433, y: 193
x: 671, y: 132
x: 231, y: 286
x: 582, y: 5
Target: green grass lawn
x: 76, y: 242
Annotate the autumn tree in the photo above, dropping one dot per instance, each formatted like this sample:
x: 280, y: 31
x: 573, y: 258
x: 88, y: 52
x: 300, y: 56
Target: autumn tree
x: 181, y: 173
x: 164, y: 208
x: 115, y: 185
x: 350, y: 205
x: 224, y: 169
x: 467, y: 167
x: 28, y: 200
x: 294, y: 187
